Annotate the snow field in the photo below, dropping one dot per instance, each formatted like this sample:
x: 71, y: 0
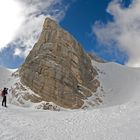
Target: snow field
x: 117, y: 119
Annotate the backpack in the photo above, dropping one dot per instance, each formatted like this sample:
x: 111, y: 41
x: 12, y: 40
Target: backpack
x: 2, y: 93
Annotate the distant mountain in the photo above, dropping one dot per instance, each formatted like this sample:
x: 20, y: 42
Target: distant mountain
x: 96, y: 58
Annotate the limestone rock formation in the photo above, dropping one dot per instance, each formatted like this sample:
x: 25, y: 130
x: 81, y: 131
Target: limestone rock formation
x: 58, y: 69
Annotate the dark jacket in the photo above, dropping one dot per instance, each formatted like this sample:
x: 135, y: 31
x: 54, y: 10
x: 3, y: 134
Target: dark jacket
x: 4, y: 92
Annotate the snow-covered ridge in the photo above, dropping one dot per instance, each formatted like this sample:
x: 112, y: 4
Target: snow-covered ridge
x: 120, y: 84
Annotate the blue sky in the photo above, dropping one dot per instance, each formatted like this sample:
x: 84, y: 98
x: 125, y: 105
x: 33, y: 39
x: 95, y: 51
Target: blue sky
x: 79, y: 20
x: 97, y: 24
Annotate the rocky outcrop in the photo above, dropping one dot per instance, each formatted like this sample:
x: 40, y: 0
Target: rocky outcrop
x: 58, y: 69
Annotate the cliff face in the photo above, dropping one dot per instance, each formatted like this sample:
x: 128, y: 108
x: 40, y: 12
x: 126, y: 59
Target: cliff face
x: 58, y: 69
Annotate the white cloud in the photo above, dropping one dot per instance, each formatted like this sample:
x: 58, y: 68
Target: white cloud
x: 23, y: 19
x: 10, y: 20
x: 124, y: 30
x: 34, y: 13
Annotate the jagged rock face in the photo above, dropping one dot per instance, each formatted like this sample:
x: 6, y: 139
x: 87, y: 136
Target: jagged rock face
x: 58, y: 69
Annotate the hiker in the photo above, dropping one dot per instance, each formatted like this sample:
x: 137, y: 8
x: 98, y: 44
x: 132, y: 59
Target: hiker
x: 4, y: 92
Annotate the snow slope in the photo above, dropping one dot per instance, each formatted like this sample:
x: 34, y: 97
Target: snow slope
x: 120, y: 84
x: 118, y: 118
x: 113, y: 123
x: 6, y: 77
